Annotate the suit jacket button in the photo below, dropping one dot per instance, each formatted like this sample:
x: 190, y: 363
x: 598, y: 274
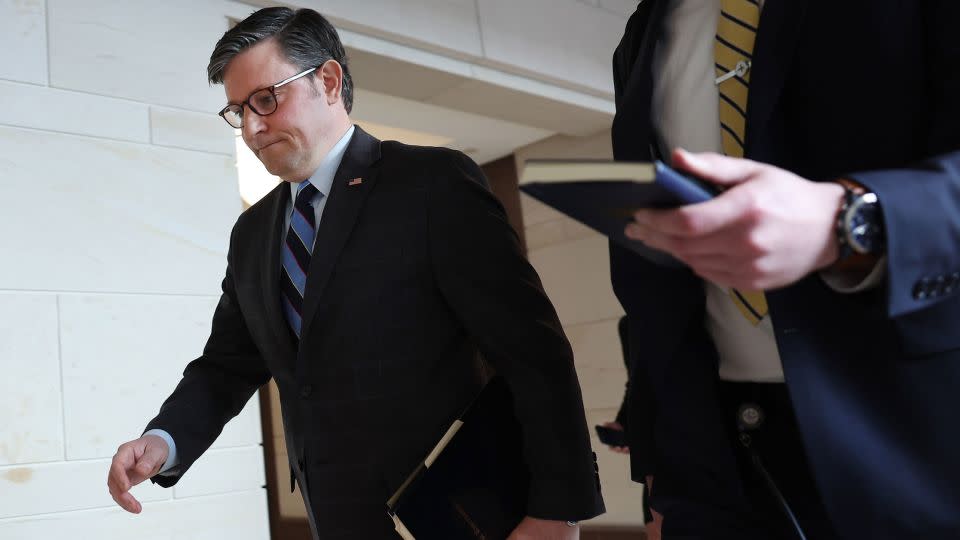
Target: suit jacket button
x: 940, y: 286
x: 952, y: 282
x: 305, y: 391
x: 921, y: 289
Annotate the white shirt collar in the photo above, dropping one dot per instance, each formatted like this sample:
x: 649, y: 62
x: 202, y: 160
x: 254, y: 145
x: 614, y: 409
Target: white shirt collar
x: 322, y: 178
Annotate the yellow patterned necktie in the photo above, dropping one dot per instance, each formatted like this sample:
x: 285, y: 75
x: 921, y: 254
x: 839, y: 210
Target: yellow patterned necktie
x: 733, y: 57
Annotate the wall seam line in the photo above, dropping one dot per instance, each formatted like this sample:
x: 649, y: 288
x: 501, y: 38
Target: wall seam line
x: 63, y: 401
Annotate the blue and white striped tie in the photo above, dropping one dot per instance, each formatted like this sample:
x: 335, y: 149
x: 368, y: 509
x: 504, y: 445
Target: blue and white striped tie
x: 297, y: 248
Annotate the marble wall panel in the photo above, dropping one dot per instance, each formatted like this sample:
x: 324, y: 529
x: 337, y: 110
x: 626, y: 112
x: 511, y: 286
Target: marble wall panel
x: 39, y: 107
x: 153, y: 52
x: 565, y: 40
x: 31, y: 411
x: 237, y: 516
x: 576, y: 277
x: 122, y: 356
x: 206, y: 132
x: 47, y: 488
x: 108, y: 216
x: 223, y: 471
x: 23, y: 41
x: 599, y: 360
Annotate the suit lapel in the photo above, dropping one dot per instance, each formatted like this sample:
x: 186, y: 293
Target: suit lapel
x: 270, y: 270
x: 777, y: 36
x: 345, y: 201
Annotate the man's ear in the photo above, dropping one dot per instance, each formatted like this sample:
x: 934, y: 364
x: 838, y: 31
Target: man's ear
x: 330, y: 80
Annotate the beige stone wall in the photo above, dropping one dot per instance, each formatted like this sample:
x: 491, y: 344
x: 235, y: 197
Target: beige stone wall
x: 117, y: 193
x: 573, y: 263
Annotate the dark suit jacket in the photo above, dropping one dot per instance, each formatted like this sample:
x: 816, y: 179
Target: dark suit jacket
x: 868, y: 90
x: 417, y: 281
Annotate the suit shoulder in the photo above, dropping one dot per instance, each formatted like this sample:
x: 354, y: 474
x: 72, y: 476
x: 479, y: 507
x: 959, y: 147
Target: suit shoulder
x: 259, y: 211
x: 398, y: 154
x: 430, y: 162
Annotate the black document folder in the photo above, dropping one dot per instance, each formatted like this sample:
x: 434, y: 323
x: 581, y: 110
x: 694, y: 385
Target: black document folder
x: 474, y: 484
x: 603, y: 194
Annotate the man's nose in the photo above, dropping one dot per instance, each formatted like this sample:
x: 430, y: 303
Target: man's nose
x: 253, y: 123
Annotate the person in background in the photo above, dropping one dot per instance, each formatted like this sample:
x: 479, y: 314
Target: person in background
x: 619, y: 424
x: 800, y: 372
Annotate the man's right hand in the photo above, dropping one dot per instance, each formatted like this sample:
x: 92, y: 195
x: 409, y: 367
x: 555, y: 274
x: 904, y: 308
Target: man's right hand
x: 134, y: 462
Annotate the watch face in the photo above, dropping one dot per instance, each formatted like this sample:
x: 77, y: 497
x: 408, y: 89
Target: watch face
x: 864, y: 225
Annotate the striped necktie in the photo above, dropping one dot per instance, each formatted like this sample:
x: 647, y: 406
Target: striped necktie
x: 733, y: 57
x: 297, y: 248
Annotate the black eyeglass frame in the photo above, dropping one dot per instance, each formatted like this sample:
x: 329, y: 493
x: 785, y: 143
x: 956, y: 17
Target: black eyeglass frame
x: 237, y: 108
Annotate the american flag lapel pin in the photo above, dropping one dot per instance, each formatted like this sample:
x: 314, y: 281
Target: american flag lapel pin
x: 355, y: 182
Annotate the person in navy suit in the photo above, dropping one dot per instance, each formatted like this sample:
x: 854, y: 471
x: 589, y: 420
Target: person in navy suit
x: 799, y: 376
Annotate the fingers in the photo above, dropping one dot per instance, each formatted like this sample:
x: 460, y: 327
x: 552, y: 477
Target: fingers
x: 119, y: 481
x: 718, y: 248
x: 129, y: 503
x: 715, y: 168
x: 716, y: 214
x: 150, y: 462
x: 701, y: 219
x: 133, y: 463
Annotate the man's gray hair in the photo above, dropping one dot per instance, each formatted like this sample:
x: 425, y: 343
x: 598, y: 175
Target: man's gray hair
x: 305, y: 37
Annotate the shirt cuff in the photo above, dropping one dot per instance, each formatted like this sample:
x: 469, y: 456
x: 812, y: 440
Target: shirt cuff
x: 847, y: 283
x: 172, y: 458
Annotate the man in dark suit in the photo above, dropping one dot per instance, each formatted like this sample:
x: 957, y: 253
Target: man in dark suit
x: 802, y: 371
x: 377, y: 285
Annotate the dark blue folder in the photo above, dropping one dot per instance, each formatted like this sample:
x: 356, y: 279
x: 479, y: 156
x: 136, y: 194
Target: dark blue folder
x: 475, y: 483
x: 607, y: 206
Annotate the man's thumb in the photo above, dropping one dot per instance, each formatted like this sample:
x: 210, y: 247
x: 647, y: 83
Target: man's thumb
x: 152, y: 459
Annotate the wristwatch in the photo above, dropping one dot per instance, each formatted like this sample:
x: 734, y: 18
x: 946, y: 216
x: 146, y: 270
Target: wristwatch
x: 859, y: 229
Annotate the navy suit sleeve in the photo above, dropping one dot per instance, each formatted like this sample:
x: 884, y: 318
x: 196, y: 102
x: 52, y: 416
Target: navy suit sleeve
x: 921, y: 207
x: 921, y: 203
x: 214, y: 388
x: 484, y: 276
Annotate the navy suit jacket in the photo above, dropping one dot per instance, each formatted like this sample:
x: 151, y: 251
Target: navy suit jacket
x: 863, y: 89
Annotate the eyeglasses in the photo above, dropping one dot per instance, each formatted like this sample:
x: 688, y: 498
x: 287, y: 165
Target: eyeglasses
x: 262, y: 102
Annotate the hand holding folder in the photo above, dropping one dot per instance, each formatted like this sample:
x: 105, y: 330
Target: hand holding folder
x: 474, y: 483
x: 603, y: 194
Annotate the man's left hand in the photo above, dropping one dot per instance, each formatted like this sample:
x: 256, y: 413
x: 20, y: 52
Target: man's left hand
x: 767, y: 229
x: 542, y: 529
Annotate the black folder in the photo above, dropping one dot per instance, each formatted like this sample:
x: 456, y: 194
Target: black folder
x: 475, y: 482
x: 604, y: 194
